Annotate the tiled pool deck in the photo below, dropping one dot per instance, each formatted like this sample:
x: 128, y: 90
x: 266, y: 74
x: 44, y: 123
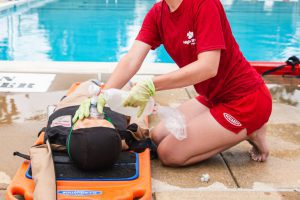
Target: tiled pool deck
x: 233, y: 175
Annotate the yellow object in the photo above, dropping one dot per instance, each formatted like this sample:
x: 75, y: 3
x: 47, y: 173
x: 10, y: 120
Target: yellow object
x: 139, y: 95
x: 100, y: 103
x: 84, y: 108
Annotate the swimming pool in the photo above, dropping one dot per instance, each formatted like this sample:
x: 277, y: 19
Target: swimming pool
x: 103, y: 30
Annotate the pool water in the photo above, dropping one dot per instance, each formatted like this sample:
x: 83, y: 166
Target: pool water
x: 103, y: 30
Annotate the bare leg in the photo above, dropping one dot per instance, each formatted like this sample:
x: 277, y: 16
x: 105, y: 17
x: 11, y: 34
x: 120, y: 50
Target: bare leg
x: 260, y: 149
x: 206, y: 137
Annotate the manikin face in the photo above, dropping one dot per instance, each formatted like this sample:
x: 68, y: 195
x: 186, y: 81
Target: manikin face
x: 90, y: 122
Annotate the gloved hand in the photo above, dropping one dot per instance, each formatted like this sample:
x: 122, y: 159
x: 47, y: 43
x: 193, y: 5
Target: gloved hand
x: 100, y: 103
x: 84, y: 108
x: 139, y: 95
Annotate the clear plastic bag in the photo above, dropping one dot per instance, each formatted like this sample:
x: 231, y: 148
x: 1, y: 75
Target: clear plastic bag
x: 173, y: 119
x: 115, y: 98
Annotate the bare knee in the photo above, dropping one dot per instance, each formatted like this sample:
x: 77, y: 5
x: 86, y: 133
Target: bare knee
x: 158, y: 133
x: 155, y: 135
x: 169, y: 157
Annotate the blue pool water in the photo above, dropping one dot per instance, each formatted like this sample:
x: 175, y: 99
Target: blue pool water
x: 103, y: 30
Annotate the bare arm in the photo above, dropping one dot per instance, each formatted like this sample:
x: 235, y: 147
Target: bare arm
x: 202, y: 69
x: 128, y: 65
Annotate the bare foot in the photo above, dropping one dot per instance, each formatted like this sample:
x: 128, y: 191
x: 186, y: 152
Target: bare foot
x: 260, y: 149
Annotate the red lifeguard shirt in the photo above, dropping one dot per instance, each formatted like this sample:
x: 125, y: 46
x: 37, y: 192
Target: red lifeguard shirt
x: 194, y: 27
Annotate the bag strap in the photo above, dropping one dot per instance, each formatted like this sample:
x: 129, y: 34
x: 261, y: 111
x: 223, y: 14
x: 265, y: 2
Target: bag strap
x: 291, y: 61
x: 22, y: 155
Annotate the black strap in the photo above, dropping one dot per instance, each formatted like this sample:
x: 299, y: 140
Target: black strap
x: 138, y: 145
x: 291, y: 61
x: 16, y: 153
x: 58, y: 158
x: 273, y: 70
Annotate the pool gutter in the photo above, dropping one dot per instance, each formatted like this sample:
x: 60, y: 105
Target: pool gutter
x: 79, y: 67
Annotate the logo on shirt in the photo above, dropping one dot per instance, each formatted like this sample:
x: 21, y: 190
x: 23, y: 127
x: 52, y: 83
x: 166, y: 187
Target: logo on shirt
x: 190, y: 39
x: 231, y: 120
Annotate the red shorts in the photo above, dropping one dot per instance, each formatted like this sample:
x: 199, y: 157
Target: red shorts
x: 250, y: 112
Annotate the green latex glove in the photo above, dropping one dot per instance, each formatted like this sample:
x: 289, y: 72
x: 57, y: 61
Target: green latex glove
x: 100, y: 103
x: 84, y: 108
x: 139, y: 95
